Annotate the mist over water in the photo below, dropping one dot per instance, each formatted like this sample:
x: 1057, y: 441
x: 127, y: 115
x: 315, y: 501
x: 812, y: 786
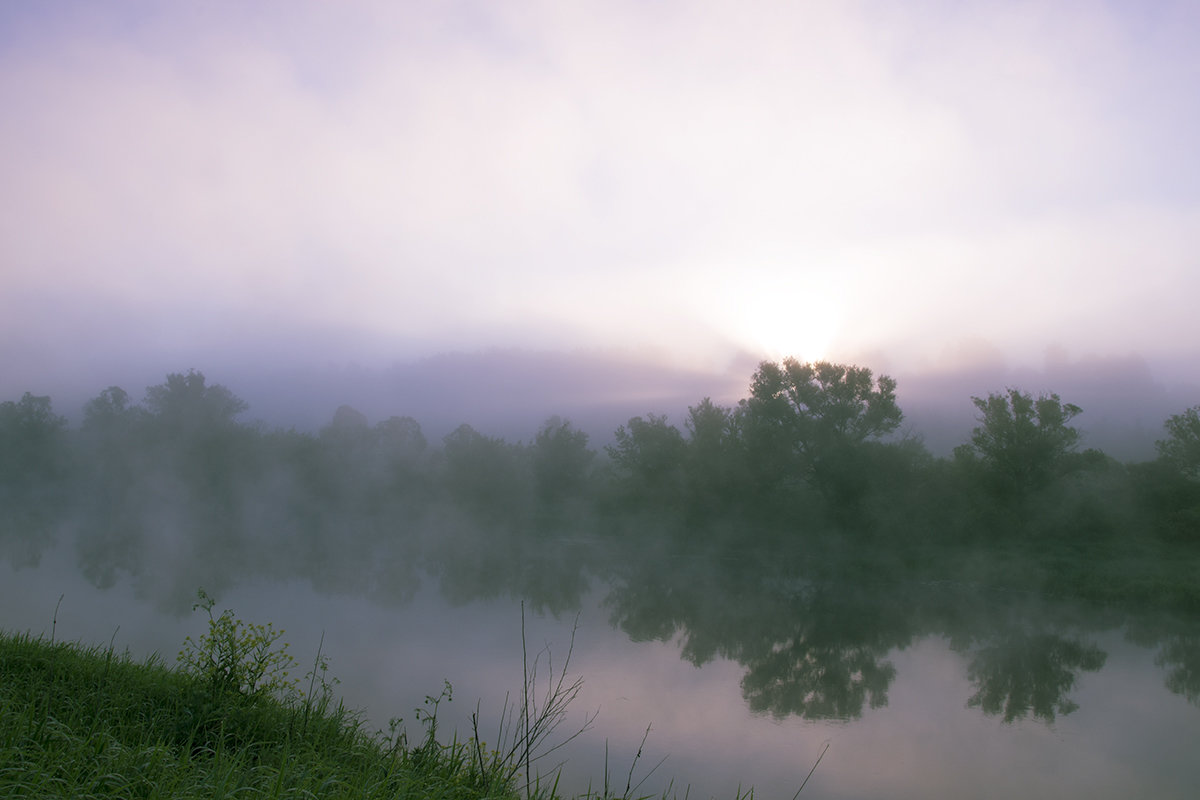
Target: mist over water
x: 1129, y: 732
x: 776, y: 574
x: 390, y: 320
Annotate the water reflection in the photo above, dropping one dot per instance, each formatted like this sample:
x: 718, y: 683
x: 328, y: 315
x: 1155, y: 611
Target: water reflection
x: 909, y: 677
x: 817, y: 645
x: 1180, y: 656
x: 1024, y: 674
x: 813, y: 624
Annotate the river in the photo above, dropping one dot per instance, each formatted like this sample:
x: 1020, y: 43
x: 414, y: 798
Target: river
x: 1035, y: 703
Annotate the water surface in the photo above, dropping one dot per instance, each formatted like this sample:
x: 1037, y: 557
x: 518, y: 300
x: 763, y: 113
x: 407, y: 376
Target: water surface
x: 918, y: 691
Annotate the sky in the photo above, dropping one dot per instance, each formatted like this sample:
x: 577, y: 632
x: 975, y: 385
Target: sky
x: 920, y: 187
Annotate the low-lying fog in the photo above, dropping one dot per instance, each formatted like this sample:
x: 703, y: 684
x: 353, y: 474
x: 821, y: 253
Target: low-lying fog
x: 963, y: 624
x: 510, y: 392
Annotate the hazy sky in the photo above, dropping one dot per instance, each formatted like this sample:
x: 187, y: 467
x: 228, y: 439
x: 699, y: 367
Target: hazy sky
x: 906, y: 185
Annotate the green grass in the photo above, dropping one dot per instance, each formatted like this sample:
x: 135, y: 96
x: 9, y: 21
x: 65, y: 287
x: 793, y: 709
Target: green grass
x: 80, y: 722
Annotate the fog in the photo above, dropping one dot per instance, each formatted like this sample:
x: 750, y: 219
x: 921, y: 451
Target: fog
x: 243, y: 189
x: 410, y: 323
x: 602, y: 211
x: 798, y: 542
x: 510, y: 392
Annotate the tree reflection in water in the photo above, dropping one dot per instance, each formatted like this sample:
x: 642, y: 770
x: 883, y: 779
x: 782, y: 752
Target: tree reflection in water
x: 1180, y: 655
x: 818, y: 647
x: 1022, y: 673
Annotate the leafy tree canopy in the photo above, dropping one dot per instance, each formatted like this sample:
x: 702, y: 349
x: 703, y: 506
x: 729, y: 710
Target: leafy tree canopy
x: 1021, y: 441
x: 822, y: 404
x: 648, y: 456
x: 108, y: 410
x: 562, y: 461
x: 811, y: 420
x: 1181, y: 448
x: 30, y: 439
x: 185, y: 403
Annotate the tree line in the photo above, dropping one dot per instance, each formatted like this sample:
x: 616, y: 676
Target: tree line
x: 797, y: 533
x: 808, y: 462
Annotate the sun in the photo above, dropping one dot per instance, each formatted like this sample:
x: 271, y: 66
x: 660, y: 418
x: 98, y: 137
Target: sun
x: 775, y: 326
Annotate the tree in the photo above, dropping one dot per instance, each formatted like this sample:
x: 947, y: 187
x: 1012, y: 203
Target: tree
x: 487, y: 476
x: 709, y: 426
x: 809, y: 421
x: 110, y: 413
x: 31, y: 441
x: 401, y: 460
x: 714, y: 465
x: 1181, y: 448
x: 562, y: 462
x: 114, y: 514
x: 1022, y: 444
x: 1169, y: 487
x: 649, y: 456
x: 401, y: 439
x: 185, y: 405
x: 204, y: 458
x: 33, y: 474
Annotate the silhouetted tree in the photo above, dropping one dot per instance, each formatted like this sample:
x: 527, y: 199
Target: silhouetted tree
x: 402, y: 461
x: 648, y: 457
x: 33, y: 474
x: 562, y: 462
x: 184, y: 404
x: 1181, y: 448
x: 203, y: 467
x: 347, y: 460
x: 1168, y: 488
x: 111, y: 486
x: 31, y: 441
x: 715, y: 461
x: 1022, y: 444
x: 401, y: 440
x: 807, y: 422
x: 111, y: 414
x: 487, y: 476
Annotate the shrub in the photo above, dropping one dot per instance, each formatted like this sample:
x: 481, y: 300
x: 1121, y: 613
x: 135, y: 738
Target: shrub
x: 238, y: 657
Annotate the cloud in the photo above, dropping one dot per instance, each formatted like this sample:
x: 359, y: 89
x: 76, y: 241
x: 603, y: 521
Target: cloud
x: 688, y: 177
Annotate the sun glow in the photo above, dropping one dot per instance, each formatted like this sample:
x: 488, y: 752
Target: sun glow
x: 777, y: 334
x: 775, y: 317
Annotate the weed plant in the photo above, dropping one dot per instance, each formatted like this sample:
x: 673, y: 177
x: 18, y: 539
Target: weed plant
x: 84, y: 722
x: 229, y: 722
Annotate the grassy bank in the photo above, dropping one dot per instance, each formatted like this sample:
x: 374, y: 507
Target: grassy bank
x: 78, y: 721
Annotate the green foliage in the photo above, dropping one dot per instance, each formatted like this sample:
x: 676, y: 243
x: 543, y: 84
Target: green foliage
x: 1021, y: 443
x: 717, y: 480
x: 31, y: 441
x: 649, y: 457
x: 562, y: 462
x: 821, y: 405
x: 487, y: 476
x: 89, y: 722
x: 401, y: 445
x: 185, y: 405
x: 806, y: 458
x: 110, y: 413
x: 807, y: 422
x: 1181, y: 448
x: 238, y: 657
x: 34, y: 470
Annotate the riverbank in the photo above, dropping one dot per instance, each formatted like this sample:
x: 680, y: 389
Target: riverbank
x: 87, y: 721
